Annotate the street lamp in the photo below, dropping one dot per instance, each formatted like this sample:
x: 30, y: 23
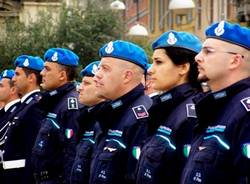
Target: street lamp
x: 138, y: 29
x: 177, y: 4
x: 117, y: 5
x: 181, y: 4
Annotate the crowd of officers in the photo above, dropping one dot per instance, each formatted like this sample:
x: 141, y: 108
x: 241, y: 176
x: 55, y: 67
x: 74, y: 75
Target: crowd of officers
x: 130, y: 122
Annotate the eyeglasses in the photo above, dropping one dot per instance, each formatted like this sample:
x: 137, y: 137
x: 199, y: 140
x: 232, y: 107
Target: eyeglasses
x: 208, y: 51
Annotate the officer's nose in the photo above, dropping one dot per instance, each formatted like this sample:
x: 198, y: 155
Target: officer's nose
x: 14, y: 78
x: 42, y: 72
x: 198, y: 58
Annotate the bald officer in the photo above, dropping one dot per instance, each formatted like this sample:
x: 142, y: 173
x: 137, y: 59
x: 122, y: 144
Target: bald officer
x: 124, y: 117
x: 220, y: 152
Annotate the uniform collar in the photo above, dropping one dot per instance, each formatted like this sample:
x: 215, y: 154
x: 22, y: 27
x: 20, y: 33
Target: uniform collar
x: 224, y: 93
x: 8, y: 105
x: 112, y: 110
x: 176, y: 94
x: 29, y: 94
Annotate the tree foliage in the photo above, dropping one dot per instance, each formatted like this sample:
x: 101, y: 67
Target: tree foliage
x: 83, y: 31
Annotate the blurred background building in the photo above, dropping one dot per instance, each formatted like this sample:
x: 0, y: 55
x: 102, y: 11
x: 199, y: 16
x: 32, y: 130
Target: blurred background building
x: 153, y: 15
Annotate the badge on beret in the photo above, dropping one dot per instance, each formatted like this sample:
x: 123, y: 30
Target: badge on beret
x: 140, y: 112
x: 5, y: 73
x: 94, y: 69
x: 26, y: 63
x: 110, y: 48
x: 54, y: 57
x: 219, y: 30
x: 72, y: 103
x: 191, y: 110
x: 246, y: 103
x: 171, y: 39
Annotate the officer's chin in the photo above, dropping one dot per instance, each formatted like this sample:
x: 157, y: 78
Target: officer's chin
x: 202, y: 78
x: 43, y: 86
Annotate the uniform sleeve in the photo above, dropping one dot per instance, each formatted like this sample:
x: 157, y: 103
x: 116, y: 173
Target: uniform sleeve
x: 136, y: 137
x: 241, y: 149
x: 70, y: 128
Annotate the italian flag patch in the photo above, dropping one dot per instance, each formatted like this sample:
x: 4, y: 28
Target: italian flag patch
x: 186, y: 150
x: 246, y: 150
x: 69, y: 133
x: 136, y: 152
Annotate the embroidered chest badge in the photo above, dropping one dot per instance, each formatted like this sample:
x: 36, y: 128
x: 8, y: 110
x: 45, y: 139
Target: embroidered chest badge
x: 140, y: 112
x: 72, y: 103
x: 191, y: 110
x: 246, y: 103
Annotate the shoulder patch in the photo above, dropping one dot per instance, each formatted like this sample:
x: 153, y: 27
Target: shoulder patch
x: 140, y: 112
x: 246, y: 103
x: 72, y: 103
x: 191, y: 110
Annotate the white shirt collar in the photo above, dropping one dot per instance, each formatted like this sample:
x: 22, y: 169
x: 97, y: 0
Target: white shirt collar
x: 8, y: 105
x: 153, y: 94
x: 28, y: 94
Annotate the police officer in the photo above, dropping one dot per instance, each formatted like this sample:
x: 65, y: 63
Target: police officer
x: 123, y: 118
x: 54, y: 149
x: 220, y: 151
x: 172, y: 116
x: 10, y: 97
x: 149, y: 90
x: 24, y: 126
x: 87, y: 125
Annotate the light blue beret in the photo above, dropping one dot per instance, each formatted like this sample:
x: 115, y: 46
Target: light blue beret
x: 178, y: 39
x: 62, y: 56
x: 232, y: 33
x: 8, y: 74
x: 90, y: 69
x: 126, y: 51
x: 31, y: 62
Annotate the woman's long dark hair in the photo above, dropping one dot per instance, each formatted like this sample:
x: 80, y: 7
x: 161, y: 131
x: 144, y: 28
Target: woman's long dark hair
x: 181, y: 56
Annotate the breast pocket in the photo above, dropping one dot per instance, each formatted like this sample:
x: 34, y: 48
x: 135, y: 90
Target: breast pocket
x: 44, y: 142
x: 154, y: 157
x: 214, y: 151
x: 111, y: 163
x: 81, y: 166
x: 212, y: 158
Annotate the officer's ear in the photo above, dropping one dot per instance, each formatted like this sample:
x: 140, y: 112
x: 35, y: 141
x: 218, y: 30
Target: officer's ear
x: 63, y: 75
x: 184, y: 68
x: 235, y: 61
x: 31, y: 77
x: 128, y: 75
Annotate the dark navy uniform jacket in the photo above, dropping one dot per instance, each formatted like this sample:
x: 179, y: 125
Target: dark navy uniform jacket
x: 123, y: 126
x: 5, y: 116
x: 220, y: 152
x: 172, y: 118
x: 20, y: 138
x: 88, y: 129
x: 54, y: 148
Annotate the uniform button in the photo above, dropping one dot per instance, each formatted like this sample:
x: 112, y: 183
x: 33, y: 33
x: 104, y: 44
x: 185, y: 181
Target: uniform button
x: 5, y: 137
x: 13, y: 123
